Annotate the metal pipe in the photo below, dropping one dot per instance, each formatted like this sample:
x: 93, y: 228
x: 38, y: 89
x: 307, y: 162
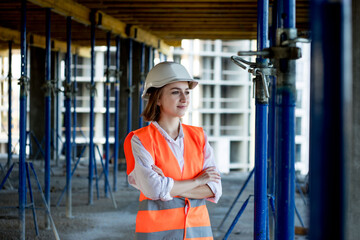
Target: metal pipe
x: 330, y: 117
x: 130, y: 86
x: 68, y: 119
x: 272, y: 126
x: 142, y: 81
x: 107, y: 116
x: 10, y: 108
x: 47, y: 111
x: 285, y: 128
x: 57, y: 108
x: 117, y: 115
x: 92, y: 94
x: 261, y: 102
x: 23, y: 109
x: 74, y: 107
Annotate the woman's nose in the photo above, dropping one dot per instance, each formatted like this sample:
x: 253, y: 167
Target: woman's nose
x: 182, y: 97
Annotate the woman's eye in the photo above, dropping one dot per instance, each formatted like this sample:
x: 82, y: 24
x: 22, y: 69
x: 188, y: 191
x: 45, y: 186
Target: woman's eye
x: 175, y: 92
x: 187, y: 92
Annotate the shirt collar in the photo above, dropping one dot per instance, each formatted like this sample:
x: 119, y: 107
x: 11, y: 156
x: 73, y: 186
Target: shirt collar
x: 166, y: 135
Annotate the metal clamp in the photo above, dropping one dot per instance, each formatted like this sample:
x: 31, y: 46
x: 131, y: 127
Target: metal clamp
x: 261, y: 70
x: 118, y: 74
x: 130, y: 90
x: 24, y: 83
x: 92, y: 88
x: 68, y: 89
x: 49, y: 87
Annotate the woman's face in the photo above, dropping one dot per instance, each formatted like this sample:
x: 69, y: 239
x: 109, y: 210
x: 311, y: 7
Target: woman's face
x: 174, y: 100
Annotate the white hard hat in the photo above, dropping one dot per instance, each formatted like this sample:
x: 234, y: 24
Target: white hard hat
x: 165, y: 73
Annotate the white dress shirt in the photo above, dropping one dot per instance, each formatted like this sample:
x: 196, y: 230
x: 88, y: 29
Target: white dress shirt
x: 156, y: 187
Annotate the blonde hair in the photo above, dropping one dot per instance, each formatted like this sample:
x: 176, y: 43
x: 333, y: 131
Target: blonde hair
x: 152, y: 109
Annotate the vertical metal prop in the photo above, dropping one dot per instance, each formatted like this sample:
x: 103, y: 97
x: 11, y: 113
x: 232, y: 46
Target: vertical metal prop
x: 68, y: 119
x: 142, y: 81
x: 23, y: 108
x: 47, y: 111
x: 285, y: 128
x: 107, y: 117
x: 130, y: 65
x: 74, y: 90
x: 92, y: 94
x: 57, y: 108
x: 117, y: 115
x: 261, y: 101
x: 10, y: 108
x: 330, y: 116
x: 272, y: 126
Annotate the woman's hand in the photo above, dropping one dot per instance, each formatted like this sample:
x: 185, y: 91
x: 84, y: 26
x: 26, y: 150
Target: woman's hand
x: 157, y: 170
x: 208, y: 175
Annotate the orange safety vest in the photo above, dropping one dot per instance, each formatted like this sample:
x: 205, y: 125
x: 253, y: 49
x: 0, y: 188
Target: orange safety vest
x: 158, y: 219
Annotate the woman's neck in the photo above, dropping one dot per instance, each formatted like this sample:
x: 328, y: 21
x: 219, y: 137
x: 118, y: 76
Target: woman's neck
x: 171, y: 126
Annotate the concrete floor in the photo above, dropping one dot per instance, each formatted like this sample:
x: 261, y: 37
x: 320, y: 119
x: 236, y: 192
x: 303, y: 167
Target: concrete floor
x: 102, y: 221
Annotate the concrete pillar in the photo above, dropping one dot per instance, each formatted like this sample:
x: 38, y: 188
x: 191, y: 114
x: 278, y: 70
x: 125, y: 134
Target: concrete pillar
x: 37, y: 95
x: 353, y: 191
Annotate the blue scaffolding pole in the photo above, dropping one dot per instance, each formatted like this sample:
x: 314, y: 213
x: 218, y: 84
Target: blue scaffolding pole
x: 68, y: 91
x: 285, y: 127
x: 23, y: 107
x: 261, y: 102
x: 92, y: 95
x: 107, y: 116
x: 74, y: 91
x: 330, y: 116
x: 47, y: 110
x: 130, y: 86
x: 10, y: 108
x: 117, y: 102
x: 57, y: 109
x: 142, y: 81
x: 272, y: 126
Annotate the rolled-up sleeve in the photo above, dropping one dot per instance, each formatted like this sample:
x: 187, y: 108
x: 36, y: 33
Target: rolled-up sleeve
x: 144, y: 178
x: 209, y: 161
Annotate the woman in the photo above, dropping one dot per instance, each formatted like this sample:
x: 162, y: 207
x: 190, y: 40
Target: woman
x: 171, y: 163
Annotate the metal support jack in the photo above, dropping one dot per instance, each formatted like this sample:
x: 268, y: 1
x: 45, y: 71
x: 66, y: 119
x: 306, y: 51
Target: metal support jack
x: 10, y: 107
x: 117, y: 102
x: 107, y: 116
x: 92, y: 96
x: 142, y: 82
x: 68, y: 93
x: 23, y: 82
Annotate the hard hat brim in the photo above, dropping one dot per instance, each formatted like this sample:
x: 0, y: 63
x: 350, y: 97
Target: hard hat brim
x: 192, y: 84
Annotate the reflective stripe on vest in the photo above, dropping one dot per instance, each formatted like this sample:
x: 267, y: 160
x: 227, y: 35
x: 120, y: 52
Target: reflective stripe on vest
x: 173, y: 219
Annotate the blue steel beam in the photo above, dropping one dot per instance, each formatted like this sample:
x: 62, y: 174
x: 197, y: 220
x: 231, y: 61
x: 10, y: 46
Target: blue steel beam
x: 92, y: 95
x: 117, y: 115
x: 23, y: 108
x: 47, y: 109
x: 10, y: 107
x: 68, y: 119
x: 107, y: 116
x: 130, y: 86
x: 261, y: 102
x: 330, y: 116
x: 142, y: 81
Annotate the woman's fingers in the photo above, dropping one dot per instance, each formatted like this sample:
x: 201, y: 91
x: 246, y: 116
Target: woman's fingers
x: 158, y: 170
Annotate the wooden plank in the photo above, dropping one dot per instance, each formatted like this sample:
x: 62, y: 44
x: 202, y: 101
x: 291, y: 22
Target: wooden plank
x: 81, y: 14
x: 140, y: 35
x: 39, y: 41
